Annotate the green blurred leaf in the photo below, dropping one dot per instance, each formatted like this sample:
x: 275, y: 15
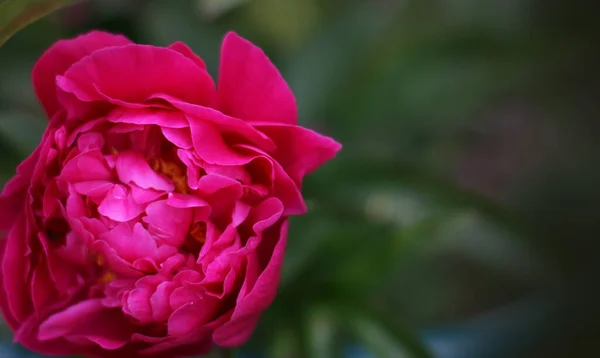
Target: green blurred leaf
x: 315, y: 69
x: 321, y: 333
x: 16, y: 14
x: 381, y: 336
x: 215, y: 8
x: 287, y: 22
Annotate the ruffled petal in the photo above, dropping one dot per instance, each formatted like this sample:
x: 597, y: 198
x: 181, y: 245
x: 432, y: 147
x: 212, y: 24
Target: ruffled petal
x: 130, y: 244
x: 89, y: 320
x: 128, y: 76
x: 168, y: 223
x: 248, y: 308
x: 119, y: 205
x: 61, y: 56
x: 299, y: 150
x: 133, y: 168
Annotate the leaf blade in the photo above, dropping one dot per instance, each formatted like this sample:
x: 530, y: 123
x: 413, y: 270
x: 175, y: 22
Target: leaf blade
x: 17, y: 14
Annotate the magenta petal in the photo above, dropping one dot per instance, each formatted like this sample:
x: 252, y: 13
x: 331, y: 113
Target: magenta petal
x: 144, y: 196
x: 130, y: 244
x: 86, y: 166
x: 93, y: 187
x: 62, y: 55
x: 223, y: 122
x: 240, y: 213
x: 133, y: 168
x: 299, y: 150
x: 210, y: 146
x: 9, y: 318
x: 212, y: 183
x: 148, y: 116
x: 114, y: 262
x: 187, y: 52
x: 161, y: 309
x: 74, y: 250
x: 13, y: 194
x: 90, y: 320
x: 180, y: 137
x: 168, y: 223
x: 138, y: 305
x: 193, y: 315
x: 42, y: 288
x: 266, y: 214
x: 90, y: 141
x: 14, y: 263
x: 177, y: 200
x: 135, y: 79
x: 195, y: 343
x: 238, y: 330
x: 119, y: 205
x: 86, y: 126
x: 250, y: 86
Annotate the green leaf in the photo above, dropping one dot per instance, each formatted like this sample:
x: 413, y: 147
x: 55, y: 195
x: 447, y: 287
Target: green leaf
x: 16, y: 14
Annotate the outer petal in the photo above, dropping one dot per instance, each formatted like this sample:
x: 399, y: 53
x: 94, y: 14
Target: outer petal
x: 187, y: 52
x: 8, y: 316
x: 14, y: 192
x: 14, y: 267
x: 299, y: 150
x: 58, y: 58
x: 248, y: 309
x: 89, y: 320
x: 131, y: 75
x: 250, y: 87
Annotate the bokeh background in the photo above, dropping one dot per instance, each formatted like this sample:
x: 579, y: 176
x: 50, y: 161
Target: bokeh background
x: 462, y: 217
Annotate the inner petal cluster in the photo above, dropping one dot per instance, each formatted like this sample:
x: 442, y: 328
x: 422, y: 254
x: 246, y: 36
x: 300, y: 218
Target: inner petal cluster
x: 144, y: 217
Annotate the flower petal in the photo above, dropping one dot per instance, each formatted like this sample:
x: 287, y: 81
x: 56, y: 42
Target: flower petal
x: 299, y: 150
x: 14, y: 263
x: 187, y: 52
x: 130, y: 244
x: 250, y: 86
x: 148, y: 116
x: 133, y: 168
x: 248, y: 309
x: 128, y: 75
x: 62, y: 55
x: 90, y: 320
x: 168, y: 223
x: 119, y: 205
x: 193, y: 315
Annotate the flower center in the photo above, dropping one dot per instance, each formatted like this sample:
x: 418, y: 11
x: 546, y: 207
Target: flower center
x: 105, y: 276
x: 173, y: 171
x: 196, y: 238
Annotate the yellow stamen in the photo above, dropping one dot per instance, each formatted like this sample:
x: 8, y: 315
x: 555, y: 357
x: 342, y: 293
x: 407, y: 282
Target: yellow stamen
x: 99, y: 260
x: 173, y: 171
x: 198, y: 232
x: 106, y: 277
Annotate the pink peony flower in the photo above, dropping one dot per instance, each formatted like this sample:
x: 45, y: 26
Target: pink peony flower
x: 152, y: 218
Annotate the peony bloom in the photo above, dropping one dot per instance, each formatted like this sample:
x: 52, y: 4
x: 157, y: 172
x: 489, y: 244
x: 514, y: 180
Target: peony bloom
x: 152, y: 218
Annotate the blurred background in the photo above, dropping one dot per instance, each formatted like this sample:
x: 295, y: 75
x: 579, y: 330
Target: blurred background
x: 462, y: 217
